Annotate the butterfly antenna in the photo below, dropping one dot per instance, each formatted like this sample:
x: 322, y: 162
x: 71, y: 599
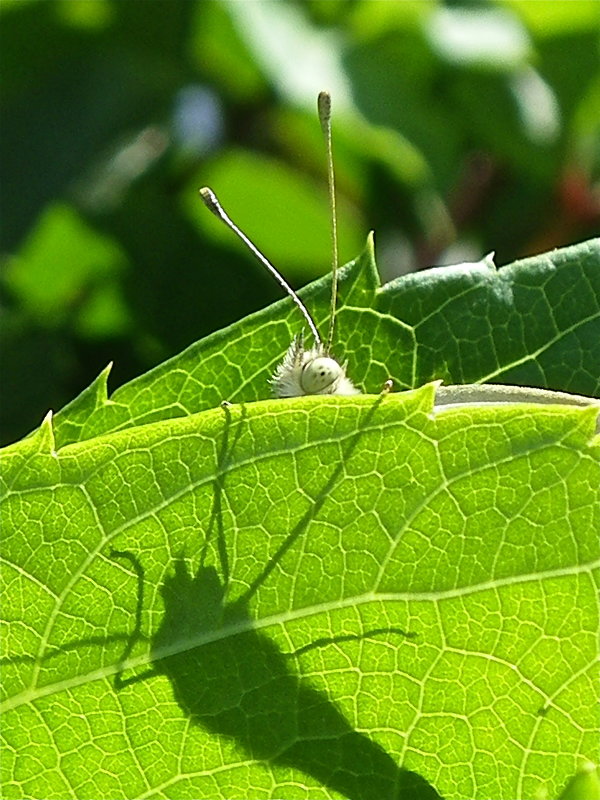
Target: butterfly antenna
x: 210, y: 201
x: 324, y: 108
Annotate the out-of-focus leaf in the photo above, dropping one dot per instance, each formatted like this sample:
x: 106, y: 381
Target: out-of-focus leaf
x: 63, y: 259
x: 281, y: 37
x: 396, y: 90
x: 288, y: 218
x: 81, y: 14
x: 369, y: 20
x: 546, y: 20
x: 481, y: 35
x: 220, y: 53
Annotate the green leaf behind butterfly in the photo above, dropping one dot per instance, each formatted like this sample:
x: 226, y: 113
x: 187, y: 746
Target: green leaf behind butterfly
x: 533, y: 323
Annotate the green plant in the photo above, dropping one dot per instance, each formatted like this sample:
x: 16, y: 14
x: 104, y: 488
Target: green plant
x: 361, y: 597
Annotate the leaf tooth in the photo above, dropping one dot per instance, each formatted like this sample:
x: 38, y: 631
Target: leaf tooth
x: 101, y: 384
x: 45, y: 435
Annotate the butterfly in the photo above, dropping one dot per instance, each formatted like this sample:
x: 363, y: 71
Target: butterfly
x: 303, y: 370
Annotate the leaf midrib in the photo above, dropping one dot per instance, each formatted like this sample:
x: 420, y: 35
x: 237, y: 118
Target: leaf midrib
x: 306, y: 612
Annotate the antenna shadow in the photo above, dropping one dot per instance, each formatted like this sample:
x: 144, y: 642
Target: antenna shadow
x: 233, y: 680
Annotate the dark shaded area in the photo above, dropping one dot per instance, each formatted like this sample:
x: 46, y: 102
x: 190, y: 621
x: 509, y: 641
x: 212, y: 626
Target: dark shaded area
x: 327, y: 641
x: 136, y: 633
x: 241, y: 686
x: 232, y: 679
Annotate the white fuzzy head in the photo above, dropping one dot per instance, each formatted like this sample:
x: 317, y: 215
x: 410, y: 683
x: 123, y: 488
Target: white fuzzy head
x: 320, y: 375
x: 310, y: 371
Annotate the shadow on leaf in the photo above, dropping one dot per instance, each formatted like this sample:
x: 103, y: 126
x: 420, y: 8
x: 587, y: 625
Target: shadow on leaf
x: 239, y: 684
x: 231, y: 679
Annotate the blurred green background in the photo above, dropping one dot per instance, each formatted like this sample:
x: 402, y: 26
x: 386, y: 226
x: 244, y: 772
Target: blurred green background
x: 458, y: 129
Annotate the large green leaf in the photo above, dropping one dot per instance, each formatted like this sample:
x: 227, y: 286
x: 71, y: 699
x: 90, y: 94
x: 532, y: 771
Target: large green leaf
x: 317, y: 598
x: 533, y: 323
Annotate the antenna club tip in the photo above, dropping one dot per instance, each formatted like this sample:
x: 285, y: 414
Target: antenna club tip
x: 209, y: 199
x: 324, y: 105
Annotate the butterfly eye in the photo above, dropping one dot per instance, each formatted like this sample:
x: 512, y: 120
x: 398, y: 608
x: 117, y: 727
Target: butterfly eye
x: 320, y: 376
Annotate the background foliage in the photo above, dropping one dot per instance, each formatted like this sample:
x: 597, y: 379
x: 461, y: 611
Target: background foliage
x: 458, y: 131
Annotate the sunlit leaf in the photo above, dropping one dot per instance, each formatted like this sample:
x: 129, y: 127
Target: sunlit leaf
x: 321, y: 597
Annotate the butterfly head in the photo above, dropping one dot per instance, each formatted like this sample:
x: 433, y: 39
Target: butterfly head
x: 310, y: 371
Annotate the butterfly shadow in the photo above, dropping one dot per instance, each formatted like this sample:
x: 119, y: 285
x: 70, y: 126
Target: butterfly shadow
x: 238, y: 684
x: 231, y: 679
